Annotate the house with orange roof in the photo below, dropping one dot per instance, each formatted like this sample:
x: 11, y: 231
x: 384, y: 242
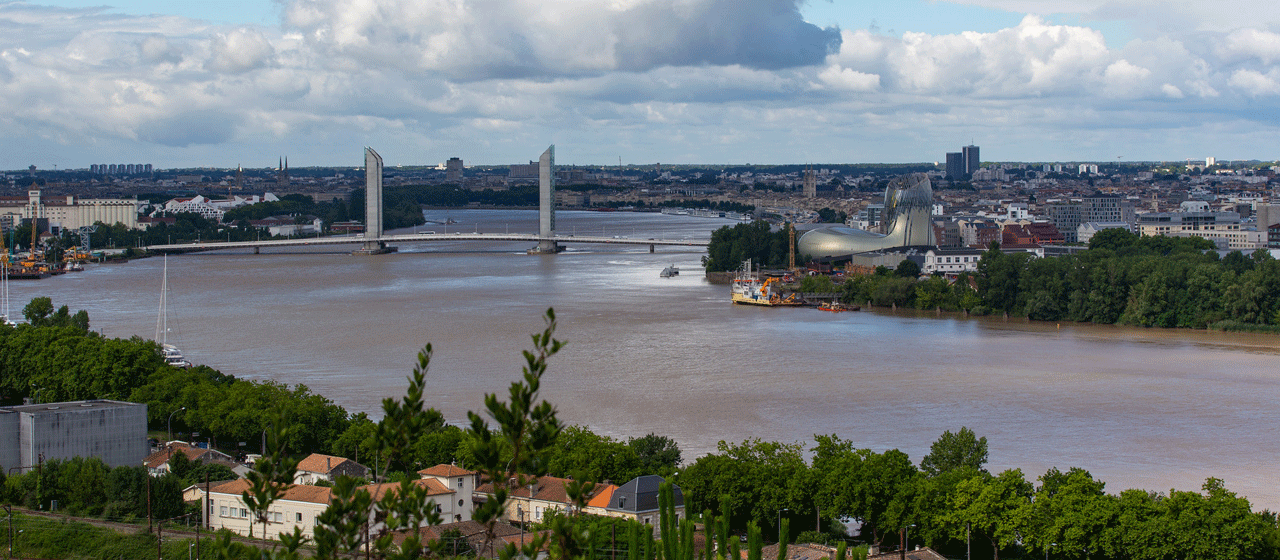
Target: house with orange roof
x: 158, y: 463
x: 462, y: 481
x: 316, y: 467
x: 529, y: 503
x: 301, y: 505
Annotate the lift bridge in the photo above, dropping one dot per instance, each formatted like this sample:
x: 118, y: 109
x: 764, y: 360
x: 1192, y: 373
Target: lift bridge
x: 376, y: 241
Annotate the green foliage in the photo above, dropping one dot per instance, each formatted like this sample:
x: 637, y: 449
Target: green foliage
x: 758, y: 478
x: 1143, y: 281
x: 830, y: 216
x: 579, y: 453
x: 996, y: 507
x: 951, y: 452
x: 42, y: 537
x: 527, y: 427
x: 907, y: 269
x: 54, y: 362
x: 658, y: 455
x: 39, y: 313
x: 729, y: 246
x: 878, y: 489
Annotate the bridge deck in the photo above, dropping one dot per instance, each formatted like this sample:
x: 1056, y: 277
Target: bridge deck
x: 414, y: 238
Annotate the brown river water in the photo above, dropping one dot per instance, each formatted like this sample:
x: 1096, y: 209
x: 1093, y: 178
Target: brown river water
x: 1138, y: 408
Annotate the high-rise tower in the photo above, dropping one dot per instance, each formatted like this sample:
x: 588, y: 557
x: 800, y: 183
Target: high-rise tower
x: 971, y: 160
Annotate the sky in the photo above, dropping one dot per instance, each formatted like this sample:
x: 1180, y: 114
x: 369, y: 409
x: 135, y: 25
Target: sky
x: 245, y: 82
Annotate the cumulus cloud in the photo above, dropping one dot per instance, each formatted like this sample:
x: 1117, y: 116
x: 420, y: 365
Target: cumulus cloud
x: 487, y: 39
x: 1256, y: 84
x: 690, y: 74
x: 240, y: 50
x: 1251, y: 43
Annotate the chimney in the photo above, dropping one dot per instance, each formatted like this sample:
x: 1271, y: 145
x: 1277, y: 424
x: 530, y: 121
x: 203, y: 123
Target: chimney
x: 328, y: 464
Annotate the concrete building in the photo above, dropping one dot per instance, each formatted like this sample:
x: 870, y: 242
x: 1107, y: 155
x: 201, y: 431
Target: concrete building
x: 955, y: 166
x: 68, y: 212
x: 1087, y: 230
x: 1223, y: 228
x: 453, y: 170
x: 113, y: 431
x: 951, y: 261
x: 971, y: 159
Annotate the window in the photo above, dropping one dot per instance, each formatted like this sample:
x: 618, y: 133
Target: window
x: 222, y: 512
x: 460, y: 483
x: 299, y: 518
x: 460, y: 502
x: 537, y: 512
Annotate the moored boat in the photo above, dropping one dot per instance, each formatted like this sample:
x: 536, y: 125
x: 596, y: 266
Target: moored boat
x: 750, y: 289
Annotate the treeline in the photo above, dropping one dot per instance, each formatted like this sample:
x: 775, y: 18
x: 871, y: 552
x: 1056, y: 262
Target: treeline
x: 721, y: 205
x: 1146, y: 281
x: 1122, y: 278
x: 55, y: 357
x: 1063, y: 514
x: 87, y: 487
x: 336, y: 210
x: 67, y: 362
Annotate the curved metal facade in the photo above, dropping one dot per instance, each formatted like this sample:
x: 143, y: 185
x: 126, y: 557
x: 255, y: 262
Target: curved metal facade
x: 908, y: 206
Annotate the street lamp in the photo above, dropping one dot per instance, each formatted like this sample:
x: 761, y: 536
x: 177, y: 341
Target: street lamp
x: 170, y: 421
x: 1046, y: 550
x: 905, y: 533
x: 780, y: 523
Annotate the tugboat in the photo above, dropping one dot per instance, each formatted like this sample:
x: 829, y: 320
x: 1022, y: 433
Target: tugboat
x: 836, y: 307
x: 749, y: 289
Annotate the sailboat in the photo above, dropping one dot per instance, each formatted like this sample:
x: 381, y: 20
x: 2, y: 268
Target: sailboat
x: 171, y: 354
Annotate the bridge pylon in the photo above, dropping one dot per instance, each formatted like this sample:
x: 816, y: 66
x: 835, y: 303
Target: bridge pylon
x: 373, y: 206
x: 547, y: 204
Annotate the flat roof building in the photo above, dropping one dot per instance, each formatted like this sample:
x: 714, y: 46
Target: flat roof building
x: 113, y: 431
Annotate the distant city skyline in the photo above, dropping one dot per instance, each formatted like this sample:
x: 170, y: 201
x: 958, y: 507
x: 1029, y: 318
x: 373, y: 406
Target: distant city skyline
x: 701, y: 81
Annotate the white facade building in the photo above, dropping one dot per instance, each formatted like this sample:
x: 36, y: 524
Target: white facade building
x: 951, y: 261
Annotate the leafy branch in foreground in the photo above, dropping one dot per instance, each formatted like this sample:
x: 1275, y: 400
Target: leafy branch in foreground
x: 527, y: 427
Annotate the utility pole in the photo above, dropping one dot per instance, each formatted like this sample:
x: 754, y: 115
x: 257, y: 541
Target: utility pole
x: 148, y: 502
x: 9, y: 510
x: 204, y: 513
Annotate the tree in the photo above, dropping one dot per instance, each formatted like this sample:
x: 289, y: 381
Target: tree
x: 995, y: 507
x: 950, y: 452
x: 38, y: 311
x: 658, y: 454
x: 907, y: 269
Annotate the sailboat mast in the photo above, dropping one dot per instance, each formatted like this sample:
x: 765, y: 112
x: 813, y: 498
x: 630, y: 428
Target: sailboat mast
x: 162, y: 319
